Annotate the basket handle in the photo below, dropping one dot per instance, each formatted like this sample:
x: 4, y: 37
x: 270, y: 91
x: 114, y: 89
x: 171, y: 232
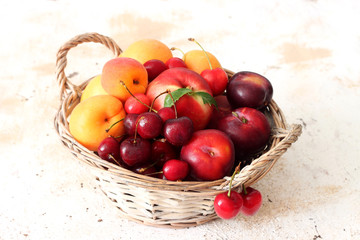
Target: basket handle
x: 64, y: 83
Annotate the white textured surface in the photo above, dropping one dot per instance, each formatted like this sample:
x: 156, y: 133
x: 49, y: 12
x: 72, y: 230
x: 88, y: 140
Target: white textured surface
x: 310, y: 51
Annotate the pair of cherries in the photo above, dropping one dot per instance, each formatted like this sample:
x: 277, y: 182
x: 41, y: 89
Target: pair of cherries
x: 228, y: 204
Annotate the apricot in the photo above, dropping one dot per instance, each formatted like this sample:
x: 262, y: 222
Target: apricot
x: 93, y: 88
x: 148, y: 49
x: 197, y: 61
x: 122, y: 71
x: 92, y: 117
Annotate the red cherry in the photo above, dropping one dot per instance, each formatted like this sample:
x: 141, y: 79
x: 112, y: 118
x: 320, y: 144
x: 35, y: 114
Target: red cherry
x: 252, y: 201
x: 154, y: 67
x: 175, y: 170
x: 109, y: 149
x: 228, y: 207
x: 178, y: 131
x: 162, y: 151
x: 130, y: 123
x: 175, y: 62
x: 135, y: 151
x: 166, y: 113
x: 133, y: 105
x: 217, y: 80
x: 149, y: 125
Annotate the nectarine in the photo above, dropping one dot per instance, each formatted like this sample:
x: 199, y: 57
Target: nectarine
x: 90, y: 119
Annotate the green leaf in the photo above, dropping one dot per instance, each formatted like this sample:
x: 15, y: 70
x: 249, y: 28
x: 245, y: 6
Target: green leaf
x: 177, y: 94
x: 207, y: 98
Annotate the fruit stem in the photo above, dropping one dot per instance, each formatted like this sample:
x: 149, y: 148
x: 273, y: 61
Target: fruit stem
x: 153, y: 173
x: 244, y: 189
x: 152, y: 103
x: 207, y: 56
x: 172, y: 98
x: 136, y: 127
x: 114, y: 159
x: 112, y: 125
x: 242, y: 119
x: 237, y: 170
x: 127, y: 89
x: 174, y: 48
x: 147, y: 167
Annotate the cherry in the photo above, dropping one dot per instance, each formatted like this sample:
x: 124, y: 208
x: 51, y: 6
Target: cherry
x: 166, y: 113
x: 138, y: 103
x: 178, y: 131
x: 228, y: 206
x: 149, y: 125
x: 130, y: 123
x: 162, y: 151
x: 217, y: 79
x: 175, y: 62
x: 109, y: 149
x: 135, y: 151
x: 252, y: 201
x: 154, y: 67
x: 175, y: 170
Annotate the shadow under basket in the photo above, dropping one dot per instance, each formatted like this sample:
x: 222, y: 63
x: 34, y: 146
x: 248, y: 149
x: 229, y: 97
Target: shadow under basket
x: 149, y: 200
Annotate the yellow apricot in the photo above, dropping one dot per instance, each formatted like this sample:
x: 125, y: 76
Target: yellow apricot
x: 147, y: 49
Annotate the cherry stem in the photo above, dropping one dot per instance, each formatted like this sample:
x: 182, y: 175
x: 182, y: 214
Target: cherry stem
x: 172, y: 98
x: 136, y: 127
x: 207, y: 56
x: 114, y: 159
x: 141, y: 170
x: 237, y: 170
x: 121, y: 136
x: 149, y: 174
x: 127, y: 89
x: 174, y: 48
x: 112, y: 125
x: 152, y: 104
x: 244, y: 189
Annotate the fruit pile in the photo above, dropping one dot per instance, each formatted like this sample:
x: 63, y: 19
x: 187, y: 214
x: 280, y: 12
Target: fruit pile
x: 179, y: 119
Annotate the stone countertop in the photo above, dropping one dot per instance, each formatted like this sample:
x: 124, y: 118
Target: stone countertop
x: 308, y: 49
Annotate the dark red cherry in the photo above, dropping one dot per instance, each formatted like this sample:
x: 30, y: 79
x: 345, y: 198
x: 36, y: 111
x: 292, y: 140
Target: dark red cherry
x: 135, y: 151
x: 149, y: 125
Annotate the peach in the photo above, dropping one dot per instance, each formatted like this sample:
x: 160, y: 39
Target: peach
x: 197, y: 61
x: 127, y: 71
x: 90, y: 119
x: 148, y: 49
x: 93, y: 88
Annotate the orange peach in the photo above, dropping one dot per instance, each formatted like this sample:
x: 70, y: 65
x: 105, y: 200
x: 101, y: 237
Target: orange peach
x: 92, y: 117
x: 124, y: 70
x: 148, y: 49
x: 197, y: 61
x: 93, y: 88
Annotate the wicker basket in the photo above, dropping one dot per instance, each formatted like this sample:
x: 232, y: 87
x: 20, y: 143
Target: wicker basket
x: 149, y: 200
